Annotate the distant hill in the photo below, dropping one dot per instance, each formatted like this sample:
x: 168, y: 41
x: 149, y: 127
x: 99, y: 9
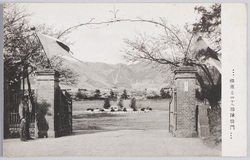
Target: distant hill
x: 107, y: 76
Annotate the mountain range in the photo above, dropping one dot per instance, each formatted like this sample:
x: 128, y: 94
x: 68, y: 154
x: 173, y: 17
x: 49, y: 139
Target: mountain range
x: 97, y: 75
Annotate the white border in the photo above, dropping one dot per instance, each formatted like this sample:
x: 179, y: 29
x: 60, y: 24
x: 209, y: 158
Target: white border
x: 114, y: 1
x: 234, y: 49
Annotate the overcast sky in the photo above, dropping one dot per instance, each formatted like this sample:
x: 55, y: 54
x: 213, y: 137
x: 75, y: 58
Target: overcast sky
x: 104, y: 44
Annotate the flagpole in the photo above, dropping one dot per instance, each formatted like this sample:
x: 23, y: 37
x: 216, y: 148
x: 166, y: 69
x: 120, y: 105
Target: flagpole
x: 34, y: 29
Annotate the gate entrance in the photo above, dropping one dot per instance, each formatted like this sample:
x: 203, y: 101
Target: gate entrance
x: 54, y: 106
x: 51, y: 114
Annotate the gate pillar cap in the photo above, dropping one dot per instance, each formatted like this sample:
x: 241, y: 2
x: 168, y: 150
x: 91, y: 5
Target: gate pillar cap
x: 185, y: 69
x: 48, y: 72
x: 185, y: 72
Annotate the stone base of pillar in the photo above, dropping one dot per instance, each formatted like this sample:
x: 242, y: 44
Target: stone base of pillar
x: 185, y: 134
x: 51, y: 134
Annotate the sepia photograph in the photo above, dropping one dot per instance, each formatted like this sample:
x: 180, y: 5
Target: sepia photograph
x: 116, y: 80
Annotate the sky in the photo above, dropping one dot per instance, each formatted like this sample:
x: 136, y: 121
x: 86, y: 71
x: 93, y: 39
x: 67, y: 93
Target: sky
x: 102, y: 43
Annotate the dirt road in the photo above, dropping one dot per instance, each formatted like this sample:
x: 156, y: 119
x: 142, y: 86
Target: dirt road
x: 124, y: 143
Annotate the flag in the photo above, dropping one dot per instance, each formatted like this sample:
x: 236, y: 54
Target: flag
x: 54, y: 47
x: 204, y: 53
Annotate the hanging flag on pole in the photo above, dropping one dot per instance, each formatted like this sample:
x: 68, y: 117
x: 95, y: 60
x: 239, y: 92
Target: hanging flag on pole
x: 54, y: 47
x: 204, y: 53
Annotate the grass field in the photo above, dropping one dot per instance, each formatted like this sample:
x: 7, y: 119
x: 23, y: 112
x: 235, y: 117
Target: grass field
x: 85, y: 121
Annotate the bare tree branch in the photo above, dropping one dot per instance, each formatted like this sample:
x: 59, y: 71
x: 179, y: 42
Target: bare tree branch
x: 190, y: 40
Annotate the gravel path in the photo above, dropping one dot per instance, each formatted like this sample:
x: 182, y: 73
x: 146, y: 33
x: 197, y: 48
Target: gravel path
x: 124, y: 143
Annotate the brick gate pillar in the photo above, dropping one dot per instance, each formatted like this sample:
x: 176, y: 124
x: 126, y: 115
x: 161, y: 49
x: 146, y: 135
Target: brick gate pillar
x: 47, y: 82
x: 185, y: 83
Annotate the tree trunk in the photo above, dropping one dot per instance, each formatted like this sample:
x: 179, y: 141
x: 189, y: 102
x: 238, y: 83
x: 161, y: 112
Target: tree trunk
x: 214, y: 117
x: 213, y: 94
x: 6, y: 105
x: 30, y: 94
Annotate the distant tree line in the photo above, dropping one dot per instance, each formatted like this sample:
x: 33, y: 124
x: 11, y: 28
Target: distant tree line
x: 97, y: 95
